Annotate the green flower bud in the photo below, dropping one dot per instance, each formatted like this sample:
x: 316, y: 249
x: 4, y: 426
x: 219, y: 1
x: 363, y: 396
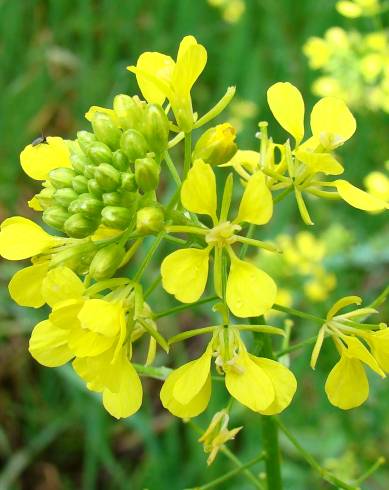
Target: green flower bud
x: 61, y: 177
x: 128, y: 182
x: 106, y: 130
x: 106, y: 262
x: 134, y: 144
x: 65, y: 196
x: 79, y: 226
x: 89, y: 171
x: 79, y: 162
x: 150, y: 220
x: 156, y: 128
x: 74, y: 206
x: 73, y: 147
x: 116, y: 217
x: 85, y: 139
x: 129, y: 200
x: 100, y: 153
x: 217, y: 145
x: 107, y: 177
x: 129, y: 111
x: 76, y: 257
x: 94, y: 188
x: 55, y: 216
x: 45, y: 197
x: 112, y: 199
x: 120, y: 161
x: 147, y: 173
x: 89, y: 206
x: 80, y: 184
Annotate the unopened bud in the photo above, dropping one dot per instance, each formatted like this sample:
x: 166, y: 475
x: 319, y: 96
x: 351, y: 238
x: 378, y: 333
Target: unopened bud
x: 111, y: 199
x: 128, y: 182
x: 116, y: 217
x: 119, y: 160
x: 106, y: 261
x: 55, y: 216
x: 89, y: 171
x: 129, y: 111
x: 65, y: 196
x: 45, y: 197
x: 79, y: 226
x: 106, y: 130
x: 107, y: 177
x: 129, y: 200
x: 217, y: 145
x: 156, y: 128
x: 147, y: 174
x: 61, y: 177
x: 150, y: 220
x: 99, y: 153
x: 134, y: 144
x: 94, y: 188
x: 79, y: 162
x: 89, y: 206
x: 85, y: 139
x: 80, y: 184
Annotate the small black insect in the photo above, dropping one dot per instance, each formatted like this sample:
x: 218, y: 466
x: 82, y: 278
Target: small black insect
x: 39, y: 141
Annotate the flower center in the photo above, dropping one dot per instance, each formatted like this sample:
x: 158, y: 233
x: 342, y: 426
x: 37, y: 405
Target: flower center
x: 222, y: 234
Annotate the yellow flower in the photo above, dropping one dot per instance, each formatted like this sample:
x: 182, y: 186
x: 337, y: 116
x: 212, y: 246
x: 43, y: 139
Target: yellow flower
x: 317, y: 52
x: 377, y: 184
x: 160, y: 77
x: 357, y: 8
x: 38, y: 160
x: 263, y: 385
x: 249, y: 291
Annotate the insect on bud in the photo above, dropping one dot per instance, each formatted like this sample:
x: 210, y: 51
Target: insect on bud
x: 116, y: 217
x: 150, y: 220
x: 107, y: 177
x: 55, y: 216
x: 106, y: 262
x: 134, y: 144
x: 99, y: 153
x: 106, y: 130
x: 61, y: 177
x: 147, y: 174
x: 129, y: 111
x: 79, y: 226
x: 156, y: 128
x: 217, y: 145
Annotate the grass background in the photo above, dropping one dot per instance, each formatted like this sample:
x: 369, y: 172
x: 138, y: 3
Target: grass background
x: 58, y: 58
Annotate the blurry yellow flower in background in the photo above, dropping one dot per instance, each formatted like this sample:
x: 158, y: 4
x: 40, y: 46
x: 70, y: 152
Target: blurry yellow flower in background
x: 358, y: 8
x: 231, y: 10
x: 377, y: 184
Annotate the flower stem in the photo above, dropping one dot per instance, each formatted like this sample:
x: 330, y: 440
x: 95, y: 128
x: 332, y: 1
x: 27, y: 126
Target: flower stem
x: 188, y: 153
x: 172, y: 169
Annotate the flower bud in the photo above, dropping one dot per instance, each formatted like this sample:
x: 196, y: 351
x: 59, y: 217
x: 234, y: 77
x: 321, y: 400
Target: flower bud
x: 147, y: 173
x: 94, y: 188
x: 89, y: 206
x: 45, y: 197
x: 116, y: 217
x: 128, y: 182
x: 134, y: 144
x: 129, y: 200
x: 106, y: 130
x: 217, y: 145
x: 119, y: 160
x: 79, y: 226
x: 61, y: 177
x: 129, y: 111
x: 65, y: 196
x: 55, y: 216
x: 99, y: 153
x: 156, y: 128
x: 85, y: 139
x: 79, y: 162
x: 112, y: 199
x: 150, y: 220
x: 89, y: 171
x: 107, y: 177
x: 76, y: 257
x: 106, y: 261
x: 80, y: 184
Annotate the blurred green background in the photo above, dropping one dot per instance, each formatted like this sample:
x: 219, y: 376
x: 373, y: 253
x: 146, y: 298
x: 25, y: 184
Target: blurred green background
x: 57, y: 59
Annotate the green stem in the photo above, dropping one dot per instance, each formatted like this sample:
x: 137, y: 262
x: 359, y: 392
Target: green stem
x: 172, y: 169
x: 188, y: 153
x: 245, y: 246
x: 294, y: 347
x: 301, y: 314
x: 152, y: 372
x: 176, y: 309
x: 148, y: 257
x: 283, y: 194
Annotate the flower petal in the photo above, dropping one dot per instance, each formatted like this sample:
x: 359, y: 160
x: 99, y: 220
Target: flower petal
x: 185, y: 272
x: 37, y: 161
x: 21, y: 238
x: 342, y: 303
x: 85, y: 343
x: 379, y: 342
x: 250, y: 291
x: 49, y: 345
x: 359, y: 199
x: 25, y: 287
x: 287, y: 105
x: 256, y: 206
x: 332, y: 122
x: 191, y: 61
x: 61, y: 284
x: 357, y: 350
x: 198, y: 193
x: 100, y: 316
x: 320, y: 162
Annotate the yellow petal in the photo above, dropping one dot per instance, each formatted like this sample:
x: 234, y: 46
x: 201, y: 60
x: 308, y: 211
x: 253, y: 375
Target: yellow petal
x: 49, y: 345
x: 100, y: 316
x: 25, y: 287
x: 250, y: 384
x: 347, y: 385
x: 250, y: 291
x: 128, y: 399
x: 256, y: 206
x: 85, y: 343
x: 193, y: 377
x: 248, y: 159
x: 379, y: 342
x: 191, y: 61
x: 283, y: 381
x: 359, y: 199
x: 332, y: 122
x: 21, y: 238
x: 64, y: 314
x: 198, y: 193
x: 342, y: 303
x: 357, y: 350
x: 185, y: 272
x: 34, y: 204
x: 61, y: 284
x: 37, y: 161
x: 159, y: 66
x: 320, y: 162
x: 287, y: 105
x: 95, y: 108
